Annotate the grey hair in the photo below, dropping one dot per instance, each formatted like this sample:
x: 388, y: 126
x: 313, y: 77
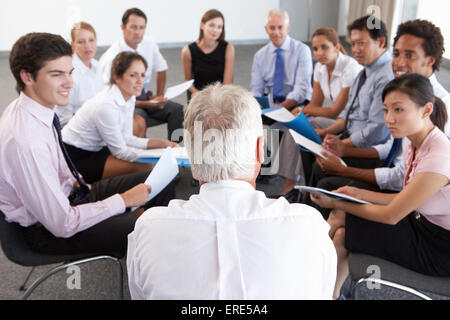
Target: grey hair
x: 222, y: 124
x: 278, y: 12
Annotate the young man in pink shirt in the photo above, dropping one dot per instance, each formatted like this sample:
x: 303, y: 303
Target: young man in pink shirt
x: 40, y: 188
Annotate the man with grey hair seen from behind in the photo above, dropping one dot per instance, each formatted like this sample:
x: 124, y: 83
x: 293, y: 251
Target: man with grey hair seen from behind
x: 229, y: 241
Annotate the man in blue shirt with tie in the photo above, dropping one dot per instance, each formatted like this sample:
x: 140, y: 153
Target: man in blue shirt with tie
x: 282, y: 68
x: 418, y: 48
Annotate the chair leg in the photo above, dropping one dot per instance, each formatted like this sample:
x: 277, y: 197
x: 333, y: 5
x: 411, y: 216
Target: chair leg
x: 51, y: 272
x: 120, y: 279
x: 22, y: 287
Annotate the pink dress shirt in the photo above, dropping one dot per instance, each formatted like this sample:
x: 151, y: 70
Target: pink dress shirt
x: 433, y: 156
x: 34, y: 177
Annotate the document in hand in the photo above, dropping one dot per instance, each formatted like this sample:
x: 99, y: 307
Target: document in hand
x: 175, y: 91
x: 180, y: 154
x: 300, y: 123
x: 163, y: 173
x: 334, y: 195
x: 312, y: 146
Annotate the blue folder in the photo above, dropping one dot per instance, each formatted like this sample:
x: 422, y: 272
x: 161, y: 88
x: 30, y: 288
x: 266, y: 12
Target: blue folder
x: 263, y: 101
x: 300, y: 124
x: 181, y: 162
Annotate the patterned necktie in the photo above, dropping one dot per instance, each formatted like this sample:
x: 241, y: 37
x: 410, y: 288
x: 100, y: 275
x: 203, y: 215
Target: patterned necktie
x: 278, y: 78
x: 361, y: 81
x: 393, y: 152
x: 78, y: 194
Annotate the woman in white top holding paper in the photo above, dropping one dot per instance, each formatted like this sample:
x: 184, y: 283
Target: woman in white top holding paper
x: 333, y: 76
x: 87, y: 75
x: 99, y: 138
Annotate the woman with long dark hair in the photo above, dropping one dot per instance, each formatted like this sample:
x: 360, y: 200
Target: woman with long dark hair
x: 99, y: 138
x: 210, y: 58
x: 412, y: 227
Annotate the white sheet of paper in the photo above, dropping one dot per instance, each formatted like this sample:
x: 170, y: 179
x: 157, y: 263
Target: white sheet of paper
x: 163, y: 173
x: 280, y: 115
x: 334, y: 195
x: 312, y: 146
x: 175, y: 91
x: 178, y: 153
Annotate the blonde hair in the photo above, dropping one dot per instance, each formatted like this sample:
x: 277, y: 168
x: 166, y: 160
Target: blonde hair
x: 81, y: 25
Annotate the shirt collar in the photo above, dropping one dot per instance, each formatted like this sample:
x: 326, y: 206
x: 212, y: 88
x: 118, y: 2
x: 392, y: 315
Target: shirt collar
x: 228, y: 184
x: 118, y: 97
x: 284, y: 47
x: 433, y: 80
x: 337, y: 68
x: 44, y: 114
x: 125, y: 47
x: 80, y: 66
x: 384, y: 58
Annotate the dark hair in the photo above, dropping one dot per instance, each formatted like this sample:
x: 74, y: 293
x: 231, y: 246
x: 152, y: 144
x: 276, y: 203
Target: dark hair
x: 331, y: 35
x: 419, y: 90
x: 433, y: 41
x: 371, y: 24
x: 209, y: 15
x: 135, y: 11
x: 32, y: 51
x: 122, y: 62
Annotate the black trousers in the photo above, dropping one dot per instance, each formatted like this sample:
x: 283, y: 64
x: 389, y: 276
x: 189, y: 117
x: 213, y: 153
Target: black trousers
x: 319, y: 179
x: 414, y: 243
x: 106, y: 237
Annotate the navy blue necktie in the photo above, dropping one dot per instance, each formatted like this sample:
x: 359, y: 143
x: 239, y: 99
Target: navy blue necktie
x: 278, y: 78
x: 78, y: 194
x: 393, y: 152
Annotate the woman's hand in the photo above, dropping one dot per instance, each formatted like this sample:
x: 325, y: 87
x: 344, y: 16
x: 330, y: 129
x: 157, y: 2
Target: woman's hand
x: 322, y: 201
x: 351, y: 191
x: 160, y: 143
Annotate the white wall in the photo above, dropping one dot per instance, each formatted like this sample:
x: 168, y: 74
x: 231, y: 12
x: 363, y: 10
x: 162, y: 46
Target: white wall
x: 170, y: 21
x: 427, y: 10
x: 308, y: 15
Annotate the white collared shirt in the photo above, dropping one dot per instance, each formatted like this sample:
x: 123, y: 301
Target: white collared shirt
x: 345, y: 71
x: 34, y: 177
x: 441, y: 93
x: 146, y: 48
x: 87, y: 82
x: 106, y: 120
x: 231, y: 242
x: 390, y: 178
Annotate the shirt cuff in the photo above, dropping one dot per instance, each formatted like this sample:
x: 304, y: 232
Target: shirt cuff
x: 115, y: 204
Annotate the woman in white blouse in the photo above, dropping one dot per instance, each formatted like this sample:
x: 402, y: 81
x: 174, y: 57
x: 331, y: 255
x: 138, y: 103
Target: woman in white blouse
x: 87, y: 73
x: 99, y: 138
x: 333, y: 76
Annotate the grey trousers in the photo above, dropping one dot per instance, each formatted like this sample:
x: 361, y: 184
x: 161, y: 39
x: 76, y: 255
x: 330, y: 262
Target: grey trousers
x: 172, y: 113
x: 289, y: 159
